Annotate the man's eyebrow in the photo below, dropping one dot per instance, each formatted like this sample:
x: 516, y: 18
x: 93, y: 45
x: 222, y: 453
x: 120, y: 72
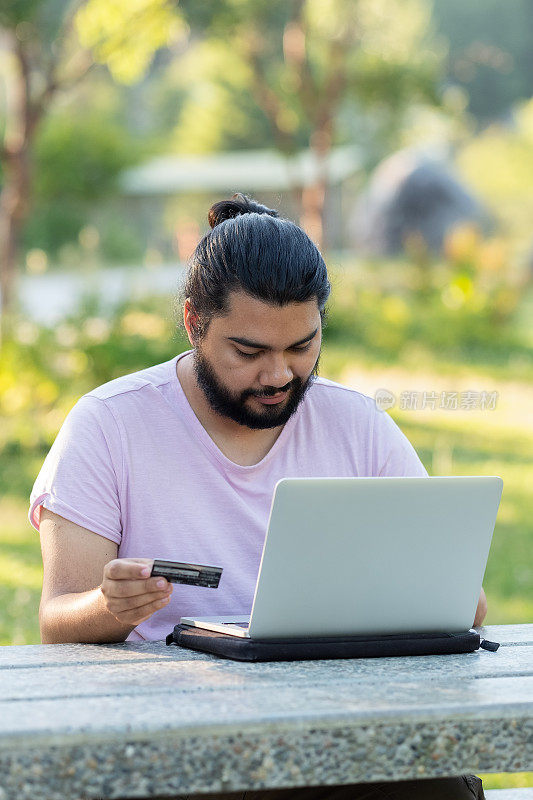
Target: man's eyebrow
x: 259, y: 346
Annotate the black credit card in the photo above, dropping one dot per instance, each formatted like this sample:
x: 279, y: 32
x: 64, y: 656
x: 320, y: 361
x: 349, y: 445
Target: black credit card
x: 192, y: 574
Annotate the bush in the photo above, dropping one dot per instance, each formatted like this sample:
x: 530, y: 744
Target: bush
x: 464, y: 307
x: 44, y: 371
x: 78, y: 158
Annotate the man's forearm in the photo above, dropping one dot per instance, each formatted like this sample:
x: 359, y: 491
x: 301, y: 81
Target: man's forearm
x: 80, y: 617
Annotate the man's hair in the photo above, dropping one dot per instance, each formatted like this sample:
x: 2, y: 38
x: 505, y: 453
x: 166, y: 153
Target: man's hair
x: 253, y: 250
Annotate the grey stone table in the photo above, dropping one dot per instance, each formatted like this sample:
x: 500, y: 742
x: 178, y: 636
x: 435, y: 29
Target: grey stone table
x: 145, y: 720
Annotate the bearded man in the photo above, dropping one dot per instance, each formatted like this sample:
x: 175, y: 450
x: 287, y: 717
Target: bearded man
x: 179, y: 461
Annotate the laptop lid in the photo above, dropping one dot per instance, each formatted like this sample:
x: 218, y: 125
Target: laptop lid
x: 349, y: 556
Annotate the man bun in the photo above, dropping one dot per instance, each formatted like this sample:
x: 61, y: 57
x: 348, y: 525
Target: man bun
x: 239, y: 204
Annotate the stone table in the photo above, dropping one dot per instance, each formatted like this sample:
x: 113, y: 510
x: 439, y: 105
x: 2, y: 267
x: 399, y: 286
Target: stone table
x: 144, y: 719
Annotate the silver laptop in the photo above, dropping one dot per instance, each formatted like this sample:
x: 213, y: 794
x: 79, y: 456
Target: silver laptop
x: 353, y: 556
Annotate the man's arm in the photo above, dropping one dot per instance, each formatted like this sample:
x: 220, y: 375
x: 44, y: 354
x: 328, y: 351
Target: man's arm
x: 79, y: 584
x: 481, y: 611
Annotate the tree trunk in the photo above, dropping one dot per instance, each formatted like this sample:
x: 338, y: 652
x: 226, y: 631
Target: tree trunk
x: 14, y: 203
x: 314, y: 195
x: 14, y: 199
x: 312, y: 216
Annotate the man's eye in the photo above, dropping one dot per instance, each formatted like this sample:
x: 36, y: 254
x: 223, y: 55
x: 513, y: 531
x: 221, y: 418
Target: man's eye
x: 302, y: 349
x: 255, y: 355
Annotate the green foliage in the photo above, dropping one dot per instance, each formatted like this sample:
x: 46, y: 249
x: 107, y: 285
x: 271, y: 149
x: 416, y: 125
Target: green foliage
x: 300, y: 70
x: 75, y: 155
x: 459, y: 309
x: 53, y: 224
x: 125, y: 34
x: 13, y: 12
x: 489, y: 52
x: 381, y: 311
x: 208, y: 89
x: 44, y: 371
x: 498, y: 164
x: 79, y: 156
x: 120, y: 241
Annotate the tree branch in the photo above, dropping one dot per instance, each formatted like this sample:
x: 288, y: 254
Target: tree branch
x: 296, y: 55
x: 266, y: 98
x: 17, y: 99
x: 331, y: 92
x: 52, y: 81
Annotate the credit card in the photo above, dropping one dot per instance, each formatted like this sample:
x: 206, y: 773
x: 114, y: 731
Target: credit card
x: 192, y: 574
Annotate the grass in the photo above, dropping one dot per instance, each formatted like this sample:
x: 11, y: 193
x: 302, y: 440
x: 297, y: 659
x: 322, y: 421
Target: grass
x: 20, y: 575
x: 469, y: 443
x: 509, y: 573
x: 507, y: 780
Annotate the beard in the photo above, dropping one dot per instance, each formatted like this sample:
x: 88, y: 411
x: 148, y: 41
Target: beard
x: 233, y: 406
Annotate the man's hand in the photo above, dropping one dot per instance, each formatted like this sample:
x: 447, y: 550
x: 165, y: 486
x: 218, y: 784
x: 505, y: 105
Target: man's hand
x: 129, y: 593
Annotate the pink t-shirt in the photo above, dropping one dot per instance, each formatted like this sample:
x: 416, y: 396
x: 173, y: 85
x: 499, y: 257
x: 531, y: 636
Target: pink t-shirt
x: 133, y: 464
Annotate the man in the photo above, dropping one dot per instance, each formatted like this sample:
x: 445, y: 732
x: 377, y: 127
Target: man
x: 179, y: 461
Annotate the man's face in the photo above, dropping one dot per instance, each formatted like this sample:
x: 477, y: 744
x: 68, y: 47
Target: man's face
x: 255, y: 364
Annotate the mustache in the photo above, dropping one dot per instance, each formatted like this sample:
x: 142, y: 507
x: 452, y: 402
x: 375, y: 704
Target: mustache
x: 271, y: 391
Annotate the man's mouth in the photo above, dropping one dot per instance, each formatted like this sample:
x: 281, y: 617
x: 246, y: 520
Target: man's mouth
x: 273, y: 399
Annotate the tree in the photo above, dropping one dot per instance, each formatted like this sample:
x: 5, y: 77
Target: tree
x: 302, y: 62
x: 490, y: 53
x: 49, y: 48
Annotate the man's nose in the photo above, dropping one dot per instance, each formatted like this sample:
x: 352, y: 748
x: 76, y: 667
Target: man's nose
x: 276, y: 372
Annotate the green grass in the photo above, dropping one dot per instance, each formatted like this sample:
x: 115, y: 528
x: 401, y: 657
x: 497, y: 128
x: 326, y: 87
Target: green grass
x: 507, y: 780
x: 20, y: 575
x: 509, y: 574
x: 475, y: 446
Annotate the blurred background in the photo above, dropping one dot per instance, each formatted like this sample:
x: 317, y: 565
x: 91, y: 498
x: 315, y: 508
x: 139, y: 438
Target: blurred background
x: 398, y: 133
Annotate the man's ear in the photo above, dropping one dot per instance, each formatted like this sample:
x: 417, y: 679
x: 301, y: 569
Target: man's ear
x: 191, y: 322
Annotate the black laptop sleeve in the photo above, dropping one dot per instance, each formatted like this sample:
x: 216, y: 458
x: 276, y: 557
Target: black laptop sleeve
x: 240, y: 649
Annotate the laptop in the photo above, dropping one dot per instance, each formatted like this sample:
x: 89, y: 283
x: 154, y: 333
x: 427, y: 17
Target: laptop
x: 375, y: 556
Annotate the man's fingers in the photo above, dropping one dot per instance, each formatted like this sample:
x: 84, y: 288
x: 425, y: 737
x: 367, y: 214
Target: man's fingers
x: 128, y: 568
x: 134, y: 616
x: 139, y: 602
x: 131, y: 596
x: 126, y: 588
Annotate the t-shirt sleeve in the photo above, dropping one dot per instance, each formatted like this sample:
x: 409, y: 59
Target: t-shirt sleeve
x: 81, y: 475
x: 392, y: 453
